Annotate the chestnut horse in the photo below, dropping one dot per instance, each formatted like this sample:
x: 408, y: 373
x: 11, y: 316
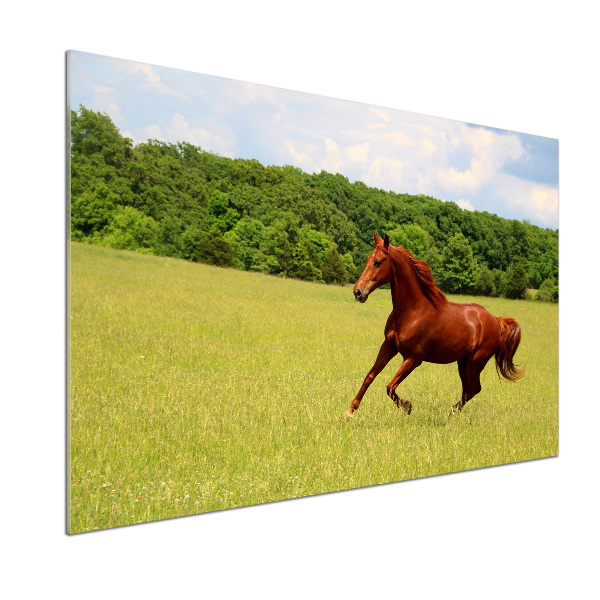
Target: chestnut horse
x: 425, y: 326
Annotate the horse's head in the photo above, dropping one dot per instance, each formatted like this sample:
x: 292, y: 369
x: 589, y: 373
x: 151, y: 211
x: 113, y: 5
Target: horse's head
x: 377, y: 271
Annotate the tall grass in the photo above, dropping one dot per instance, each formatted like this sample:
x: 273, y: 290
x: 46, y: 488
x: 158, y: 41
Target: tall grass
x: 195, y: 389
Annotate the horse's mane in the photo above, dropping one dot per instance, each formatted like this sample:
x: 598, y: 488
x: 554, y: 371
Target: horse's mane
x: 424, y: 276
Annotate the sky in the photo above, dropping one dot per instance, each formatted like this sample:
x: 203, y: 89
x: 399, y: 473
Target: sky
x: 513, y: 175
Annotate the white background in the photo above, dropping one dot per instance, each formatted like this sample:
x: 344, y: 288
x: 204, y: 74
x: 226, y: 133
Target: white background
x: 520, y: 531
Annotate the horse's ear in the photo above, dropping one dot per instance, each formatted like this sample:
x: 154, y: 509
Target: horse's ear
x: 386, y: 241
x: 376, y: 238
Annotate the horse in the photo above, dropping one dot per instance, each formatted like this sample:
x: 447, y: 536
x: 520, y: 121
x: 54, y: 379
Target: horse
x: 424, y: 326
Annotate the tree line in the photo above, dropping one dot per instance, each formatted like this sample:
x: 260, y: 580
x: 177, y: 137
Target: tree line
x: 179, y: 200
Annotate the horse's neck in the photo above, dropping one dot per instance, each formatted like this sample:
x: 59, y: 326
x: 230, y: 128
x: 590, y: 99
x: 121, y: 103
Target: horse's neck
x: 406, y: 291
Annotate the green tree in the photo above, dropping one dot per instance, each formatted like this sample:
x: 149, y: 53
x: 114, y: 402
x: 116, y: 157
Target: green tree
x: 246, y: 238
x: 499, y: 282
x: 548, y: 264
x: 434, y: 259
x: 100, y: 156
x: 350, y: 267
x: 276, y: 247
x: 92, y: 211
x: 316, y: 242
x: 222, y: 216
x: 412, y: 237
x: 516, y: 285
x: 333, y: 267
x: 484, y: 284
x: 547, y: 291
x: 93, y: 133
x: 301, y: 266
x: 214, y: 249
x: 130, y: 229
x: 190, y: 242
x: 458, y: 268
x: 168, y: 237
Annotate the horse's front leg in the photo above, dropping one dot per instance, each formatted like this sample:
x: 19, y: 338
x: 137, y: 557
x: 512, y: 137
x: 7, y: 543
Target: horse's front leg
x: 386, y: 353
x: 406, y: 368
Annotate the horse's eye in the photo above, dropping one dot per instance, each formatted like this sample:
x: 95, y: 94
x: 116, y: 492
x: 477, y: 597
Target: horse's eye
x: 377, y: 263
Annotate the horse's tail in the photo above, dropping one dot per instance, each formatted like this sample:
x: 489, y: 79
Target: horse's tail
x: 510, y: 338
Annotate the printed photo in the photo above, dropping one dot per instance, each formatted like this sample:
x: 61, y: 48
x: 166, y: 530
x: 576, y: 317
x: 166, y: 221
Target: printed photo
x: 274, y: 294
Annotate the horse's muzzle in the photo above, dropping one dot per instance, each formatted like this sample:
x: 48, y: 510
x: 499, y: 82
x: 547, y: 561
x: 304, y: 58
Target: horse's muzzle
x: 360, y: 296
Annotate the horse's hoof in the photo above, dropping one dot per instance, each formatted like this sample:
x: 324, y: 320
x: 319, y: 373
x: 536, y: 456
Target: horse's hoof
x: 349, y: 414
x: 453, y: 411
x: 405, y: 405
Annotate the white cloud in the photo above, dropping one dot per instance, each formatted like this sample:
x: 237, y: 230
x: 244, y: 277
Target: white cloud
x: 535, y: 201
x: 459, y: 181
x: 544, y: 201
x: 153, y: 132
x: 129, y: 134
x: 331, y: 146
x: 488, y: 153
x: 312, y: 157
x: 429, y: 130
x: 218, y: 140
x: 423, y: 183
x: 465, y: 205
x: 428, y: 148
x: 357, y: 153
x: 380, y: 113
x: 385, y: 173
x: 102, y: 89
x: 236, y: 94
x: 104, y: 101
x: 299, y: 158
x: 146, y: 78
x: 397, y: 138
x: 332, y: 162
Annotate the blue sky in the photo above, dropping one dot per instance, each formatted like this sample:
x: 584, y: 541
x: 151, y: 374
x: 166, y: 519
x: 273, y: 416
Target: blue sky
x: 514, y: 175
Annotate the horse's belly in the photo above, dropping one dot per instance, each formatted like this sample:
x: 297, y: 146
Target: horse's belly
x: 444, y: 355
x: 434, y: 351
x: 451, y: 346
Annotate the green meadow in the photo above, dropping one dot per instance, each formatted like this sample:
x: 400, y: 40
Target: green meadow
x: 195, y: 388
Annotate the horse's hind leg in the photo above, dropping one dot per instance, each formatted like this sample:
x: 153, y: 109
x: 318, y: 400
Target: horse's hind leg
x: 469, y: 369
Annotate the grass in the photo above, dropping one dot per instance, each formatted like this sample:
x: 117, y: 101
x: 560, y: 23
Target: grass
x: 196, y: 389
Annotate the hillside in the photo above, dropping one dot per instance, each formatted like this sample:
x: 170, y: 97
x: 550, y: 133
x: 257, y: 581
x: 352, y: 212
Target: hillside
x: 179, y: 200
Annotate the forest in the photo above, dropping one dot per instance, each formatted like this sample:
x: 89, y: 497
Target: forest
x: 179, y: 200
